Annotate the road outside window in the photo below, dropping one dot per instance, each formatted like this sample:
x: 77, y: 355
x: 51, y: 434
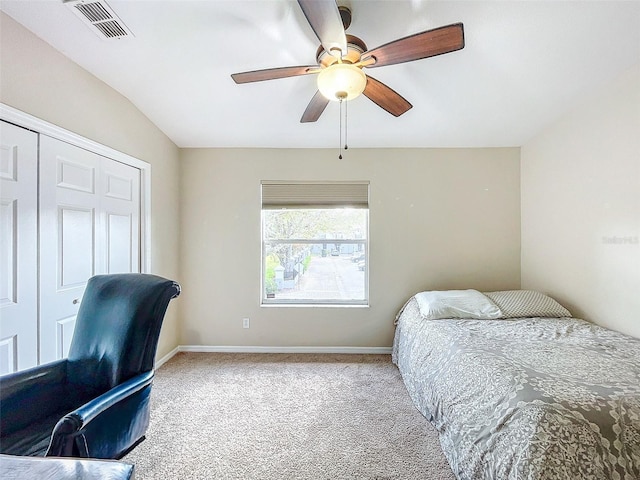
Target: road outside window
x: 315, y: 256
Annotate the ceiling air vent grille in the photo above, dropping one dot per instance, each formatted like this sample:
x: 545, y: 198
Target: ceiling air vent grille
x: 94, y: 11
x: 99, y: 16
x: 111, y: 29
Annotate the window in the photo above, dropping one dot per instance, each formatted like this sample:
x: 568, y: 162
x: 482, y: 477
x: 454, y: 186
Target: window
x: 315, y: 243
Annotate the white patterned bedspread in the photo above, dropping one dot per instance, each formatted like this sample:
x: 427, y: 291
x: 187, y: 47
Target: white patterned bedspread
x: 533, y: 398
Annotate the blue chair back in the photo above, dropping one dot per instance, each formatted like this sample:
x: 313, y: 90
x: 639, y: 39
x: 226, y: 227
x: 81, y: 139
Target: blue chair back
x: 117, y: 328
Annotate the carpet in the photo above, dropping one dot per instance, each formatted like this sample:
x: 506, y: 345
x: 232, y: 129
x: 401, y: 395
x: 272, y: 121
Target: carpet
x: 285, y: 416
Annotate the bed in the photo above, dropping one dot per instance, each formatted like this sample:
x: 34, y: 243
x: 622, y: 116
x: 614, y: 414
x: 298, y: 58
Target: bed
x: 518, y: 389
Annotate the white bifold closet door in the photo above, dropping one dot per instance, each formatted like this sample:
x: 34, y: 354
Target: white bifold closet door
x: 18, y: 248
x: 89, y: 210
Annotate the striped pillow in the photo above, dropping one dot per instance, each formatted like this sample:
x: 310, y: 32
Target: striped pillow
x: 527, y: 303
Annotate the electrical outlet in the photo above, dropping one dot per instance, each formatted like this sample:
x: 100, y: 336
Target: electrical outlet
x: 245, y: 323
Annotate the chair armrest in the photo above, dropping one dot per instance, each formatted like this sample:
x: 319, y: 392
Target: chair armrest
x: 81, y: 416
x: 31, y: 394
x: 95, y: 407
x: 13, y: 384
x: 75, y: 423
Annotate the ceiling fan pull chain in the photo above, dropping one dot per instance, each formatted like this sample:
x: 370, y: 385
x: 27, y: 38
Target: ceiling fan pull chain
x: 340, y: 144
x: 346, y: 124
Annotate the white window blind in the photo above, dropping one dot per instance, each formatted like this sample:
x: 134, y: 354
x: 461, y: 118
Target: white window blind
x: 283, y: 194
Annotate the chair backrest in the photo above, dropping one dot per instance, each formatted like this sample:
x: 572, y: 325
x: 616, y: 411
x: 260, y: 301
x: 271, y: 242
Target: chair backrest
x: 117, y: 328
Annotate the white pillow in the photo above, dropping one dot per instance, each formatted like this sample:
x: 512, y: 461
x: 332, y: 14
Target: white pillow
x: 435, y: 305
x: 527, y: 303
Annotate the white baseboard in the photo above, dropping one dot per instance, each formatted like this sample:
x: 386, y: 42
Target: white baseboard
x: 258, y: 349
x: 166, y: 358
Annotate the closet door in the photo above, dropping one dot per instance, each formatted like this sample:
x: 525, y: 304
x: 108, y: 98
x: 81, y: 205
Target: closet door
x: 18, y: 248
x: 89, y: 225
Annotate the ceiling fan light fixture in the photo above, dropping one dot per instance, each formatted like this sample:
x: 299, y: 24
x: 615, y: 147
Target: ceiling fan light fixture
x: 341, y: 81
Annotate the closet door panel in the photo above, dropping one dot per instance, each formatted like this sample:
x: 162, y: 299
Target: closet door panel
x: 120, y: 205
x: 18, y: 248
x: 69, y: 239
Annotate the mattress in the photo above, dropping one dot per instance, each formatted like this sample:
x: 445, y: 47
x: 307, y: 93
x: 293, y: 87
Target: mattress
x: 534, y: 398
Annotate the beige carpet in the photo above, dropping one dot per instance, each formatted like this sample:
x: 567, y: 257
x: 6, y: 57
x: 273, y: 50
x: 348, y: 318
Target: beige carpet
x: 285, y: 416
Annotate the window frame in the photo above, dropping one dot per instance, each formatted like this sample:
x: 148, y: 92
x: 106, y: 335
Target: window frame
x: 309, y: 204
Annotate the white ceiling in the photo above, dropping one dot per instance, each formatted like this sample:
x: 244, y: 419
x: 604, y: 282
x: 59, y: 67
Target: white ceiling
x: 524, y: 64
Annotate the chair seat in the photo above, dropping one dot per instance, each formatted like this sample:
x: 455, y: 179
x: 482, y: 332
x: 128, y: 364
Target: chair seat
x: 33, y: 440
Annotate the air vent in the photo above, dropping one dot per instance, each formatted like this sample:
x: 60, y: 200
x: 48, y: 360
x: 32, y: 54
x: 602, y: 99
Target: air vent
x: 99, y: 16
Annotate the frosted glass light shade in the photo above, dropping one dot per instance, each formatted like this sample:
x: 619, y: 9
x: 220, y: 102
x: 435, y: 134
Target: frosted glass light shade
x: 341, y: 81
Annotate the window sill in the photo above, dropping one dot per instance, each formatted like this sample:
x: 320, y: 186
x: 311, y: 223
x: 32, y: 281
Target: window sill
x: 314, y: 305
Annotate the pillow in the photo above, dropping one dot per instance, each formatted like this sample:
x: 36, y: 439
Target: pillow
x: 436, y: 305
x: 527, y: 303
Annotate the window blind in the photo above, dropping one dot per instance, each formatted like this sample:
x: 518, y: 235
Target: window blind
x: 283, y: 194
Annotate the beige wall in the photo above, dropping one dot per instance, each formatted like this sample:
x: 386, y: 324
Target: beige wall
x: 38, y: 80
x: 441, y: 218
x: 446, y: 218
x: 581, y: 208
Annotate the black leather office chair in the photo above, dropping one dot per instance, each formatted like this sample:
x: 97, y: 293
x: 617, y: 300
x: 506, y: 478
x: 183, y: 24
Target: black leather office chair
x: 95, y: 403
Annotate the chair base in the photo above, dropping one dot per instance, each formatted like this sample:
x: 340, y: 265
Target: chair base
x: 126, y: 452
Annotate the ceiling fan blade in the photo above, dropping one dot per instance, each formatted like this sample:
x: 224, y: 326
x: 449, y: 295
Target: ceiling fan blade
x: 421, y: 45
x: 326, y: 22
x: 385, y: 97
x: 273, y: 73
x: 315, y: 108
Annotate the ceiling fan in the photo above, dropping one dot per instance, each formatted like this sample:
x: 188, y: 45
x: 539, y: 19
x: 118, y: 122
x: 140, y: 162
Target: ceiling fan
x: 341, y: 58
